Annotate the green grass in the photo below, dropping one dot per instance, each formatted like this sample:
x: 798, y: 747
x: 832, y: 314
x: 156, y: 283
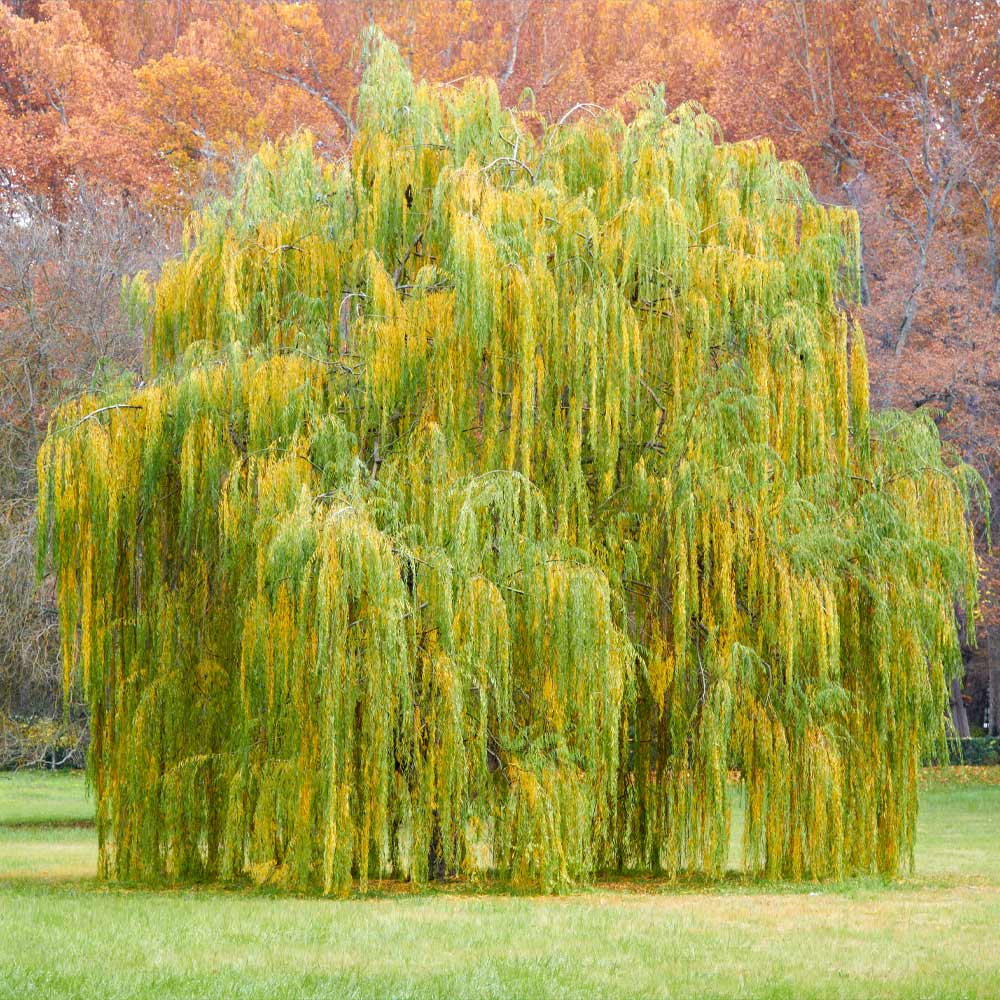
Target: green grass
x: 35, y: 797
x: 933, y: 934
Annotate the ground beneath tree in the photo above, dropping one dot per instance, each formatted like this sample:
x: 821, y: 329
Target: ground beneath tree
x: 63, y: 934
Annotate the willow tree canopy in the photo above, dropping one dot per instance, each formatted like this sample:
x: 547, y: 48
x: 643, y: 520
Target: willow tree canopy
x: 493, y: 496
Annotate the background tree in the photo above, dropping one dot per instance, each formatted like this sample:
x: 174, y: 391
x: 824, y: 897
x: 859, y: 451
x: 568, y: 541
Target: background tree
x: 60, y: 325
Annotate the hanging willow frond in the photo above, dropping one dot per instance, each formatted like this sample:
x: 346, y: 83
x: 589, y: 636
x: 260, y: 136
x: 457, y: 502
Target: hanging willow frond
x: 487, y: 512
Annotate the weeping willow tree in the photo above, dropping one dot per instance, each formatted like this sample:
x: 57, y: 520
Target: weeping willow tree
x: 492, y: 498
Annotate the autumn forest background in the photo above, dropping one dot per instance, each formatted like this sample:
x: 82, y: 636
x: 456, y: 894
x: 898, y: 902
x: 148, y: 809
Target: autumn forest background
x: 117, y: 116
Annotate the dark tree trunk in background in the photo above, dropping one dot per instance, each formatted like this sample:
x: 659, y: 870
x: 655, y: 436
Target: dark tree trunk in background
x: 959, y: 716
x: 856, y: 205
x: 992, y: 244
x: 994, y: 702
x: 993, y: 684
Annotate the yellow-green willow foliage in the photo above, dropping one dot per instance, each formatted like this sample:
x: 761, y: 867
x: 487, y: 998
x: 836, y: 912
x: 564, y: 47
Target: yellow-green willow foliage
x: 492, y: 497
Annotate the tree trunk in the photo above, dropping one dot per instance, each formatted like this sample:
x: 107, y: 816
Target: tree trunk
x: 994, y: 258
x: 992, y: 247
x: 993, y: 686
x: 910, y: 310
x: 959, y: 717
x: 856, y: 205
x: 435, y: 855
x: 865, y: 294
x: 993, y: 711
x: 992, y: 255
x: 519, y: 19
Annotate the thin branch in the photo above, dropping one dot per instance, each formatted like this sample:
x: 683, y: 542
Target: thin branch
x: 103, y: 409
x: 514, y: 162
x: 398, y: 273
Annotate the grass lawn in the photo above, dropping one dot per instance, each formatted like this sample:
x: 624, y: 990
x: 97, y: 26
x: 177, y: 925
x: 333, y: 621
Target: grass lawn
x: 933, y: 934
